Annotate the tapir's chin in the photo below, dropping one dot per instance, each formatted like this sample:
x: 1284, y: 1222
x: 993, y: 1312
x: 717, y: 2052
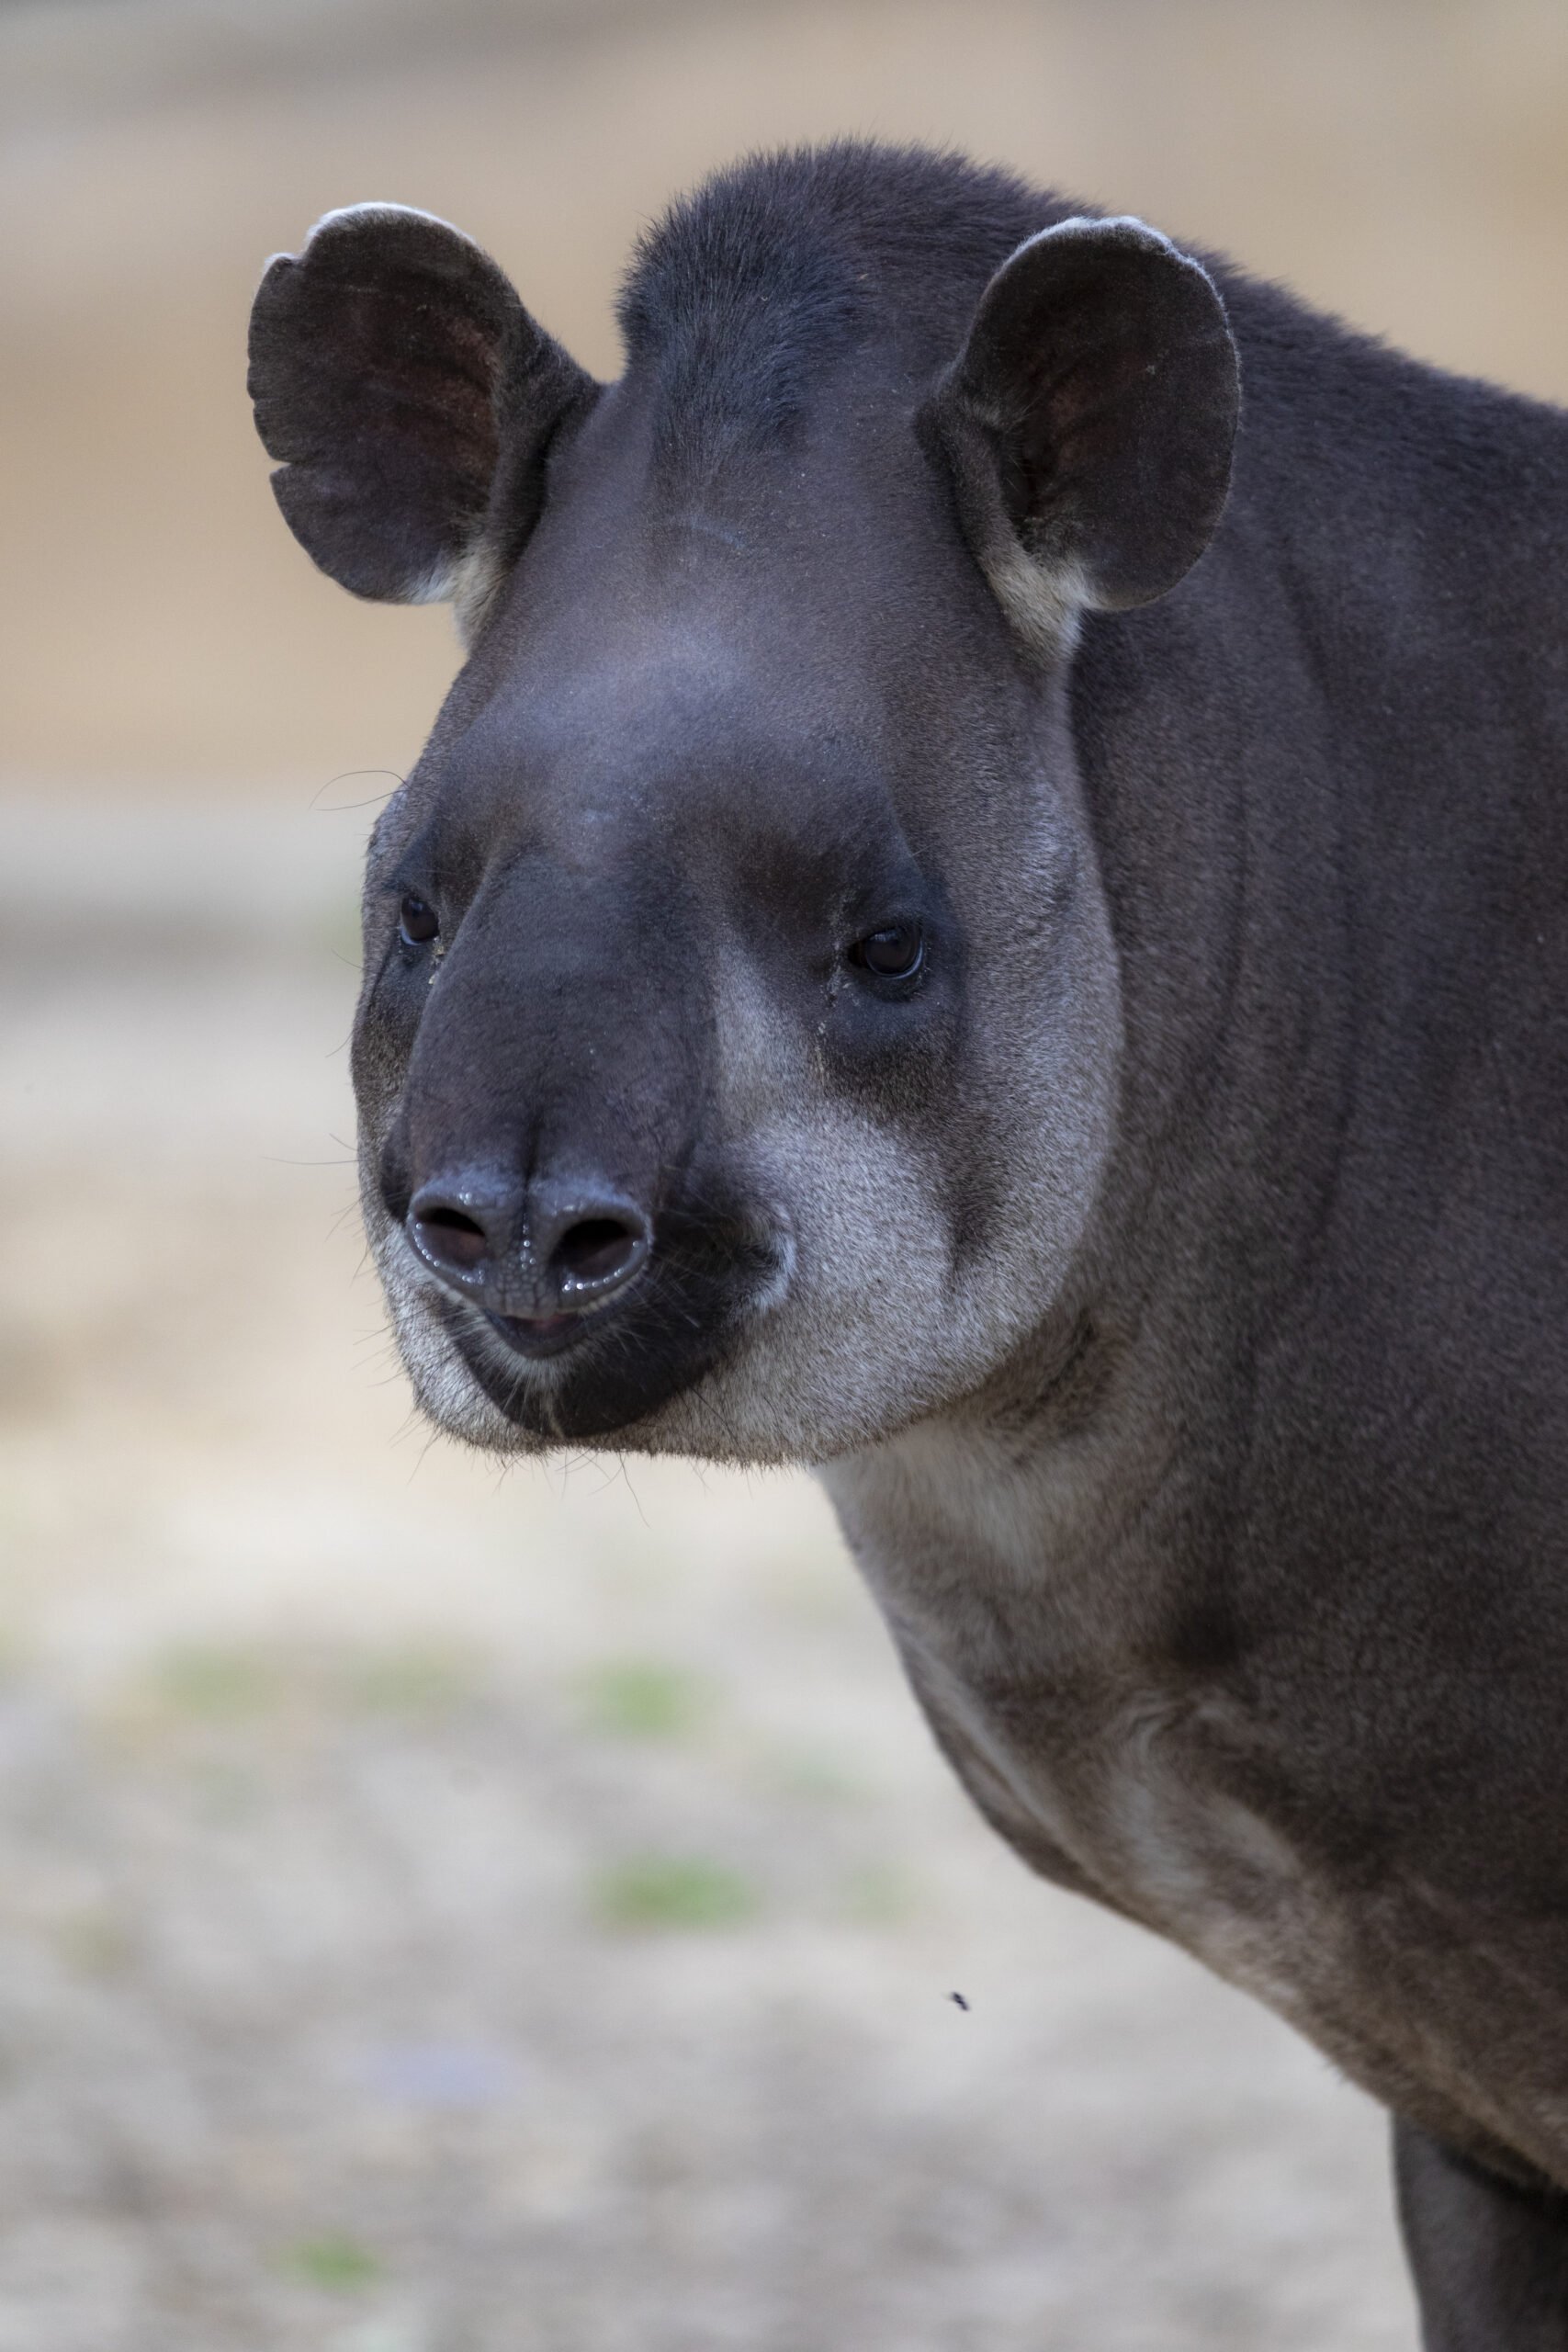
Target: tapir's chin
x: 603, y: 1375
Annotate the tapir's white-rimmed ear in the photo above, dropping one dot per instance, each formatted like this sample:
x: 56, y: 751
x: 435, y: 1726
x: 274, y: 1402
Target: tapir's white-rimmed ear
x: 410, y: 399
x: 1089, y: 423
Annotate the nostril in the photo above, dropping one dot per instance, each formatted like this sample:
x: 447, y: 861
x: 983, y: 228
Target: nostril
x: 599, y: 1250
x: 537, y: 1258
x: 451, y: 1238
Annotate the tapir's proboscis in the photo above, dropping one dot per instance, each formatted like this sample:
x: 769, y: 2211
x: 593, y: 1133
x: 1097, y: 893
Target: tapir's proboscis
x: 988, y: 913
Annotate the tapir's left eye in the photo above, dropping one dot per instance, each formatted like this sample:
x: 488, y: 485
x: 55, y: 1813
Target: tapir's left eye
x: 895, y: 954
x: 417, y: 922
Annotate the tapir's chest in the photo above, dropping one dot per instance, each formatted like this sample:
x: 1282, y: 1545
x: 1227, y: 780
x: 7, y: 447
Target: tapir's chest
x: 1039, y: 1667
x: 1030, y: 1627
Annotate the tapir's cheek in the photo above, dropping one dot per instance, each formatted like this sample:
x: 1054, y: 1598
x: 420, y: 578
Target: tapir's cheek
x: 862, y: 1204
x: 891, y: 1056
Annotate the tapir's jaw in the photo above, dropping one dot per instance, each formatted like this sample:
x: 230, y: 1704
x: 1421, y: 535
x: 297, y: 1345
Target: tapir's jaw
x: 589, y: 1376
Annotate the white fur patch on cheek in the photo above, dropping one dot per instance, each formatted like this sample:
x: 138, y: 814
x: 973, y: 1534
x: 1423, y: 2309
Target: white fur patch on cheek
x: 861, y: 1339
x: 872, y: 1330
x: 836, y: 1346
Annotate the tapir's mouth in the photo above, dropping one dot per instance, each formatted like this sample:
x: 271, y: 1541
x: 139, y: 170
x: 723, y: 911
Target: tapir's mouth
x: 540, y: 1335
x: 610, y: 1365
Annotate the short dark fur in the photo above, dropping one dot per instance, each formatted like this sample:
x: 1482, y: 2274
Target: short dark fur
x: 1284, y: 1674
x: 748, y: 291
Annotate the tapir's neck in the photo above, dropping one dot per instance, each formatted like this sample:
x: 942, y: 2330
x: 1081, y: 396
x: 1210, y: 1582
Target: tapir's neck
x: 1037, y: 1589
x: 1027, y: 1526
x: 1071, y: 1529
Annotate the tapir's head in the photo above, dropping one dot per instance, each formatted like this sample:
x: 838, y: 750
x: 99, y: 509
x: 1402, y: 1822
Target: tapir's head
x: 736, y: 1060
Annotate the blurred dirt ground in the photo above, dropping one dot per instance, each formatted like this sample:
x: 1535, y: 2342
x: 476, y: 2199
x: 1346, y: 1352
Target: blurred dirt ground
x: 450, y: 1913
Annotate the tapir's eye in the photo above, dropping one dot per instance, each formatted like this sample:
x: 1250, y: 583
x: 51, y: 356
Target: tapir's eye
x: 895, y: 954
x: 417, y: 922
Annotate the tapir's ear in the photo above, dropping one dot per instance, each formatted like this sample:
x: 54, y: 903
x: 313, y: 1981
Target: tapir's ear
x: 411, y: 398
x: 1088, y: 421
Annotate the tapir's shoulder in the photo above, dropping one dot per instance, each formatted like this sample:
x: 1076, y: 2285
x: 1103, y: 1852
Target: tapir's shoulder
x: 1354, y: 454
x: 1123, y: 1725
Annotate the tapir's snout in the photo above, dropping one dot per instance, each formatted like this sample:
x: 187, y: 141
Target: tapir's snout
x: 553, y: 1192
x: 536, y: 1253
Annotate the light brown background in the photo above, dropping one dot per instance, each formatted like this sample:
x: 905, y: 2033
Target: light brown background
x: 1403, y: 161
x: 446, y: 1913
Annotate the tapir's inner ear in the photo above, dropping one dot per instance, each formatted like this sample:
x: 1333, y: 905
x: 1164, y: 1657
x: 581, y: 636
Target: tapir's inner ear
x: 1089, y: 423
x: 410, y: 399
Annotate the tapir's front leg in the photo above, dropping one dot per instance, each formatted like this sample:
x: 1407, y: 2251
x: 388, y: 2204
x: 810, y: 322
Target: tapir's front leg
x: 1489, y: 2258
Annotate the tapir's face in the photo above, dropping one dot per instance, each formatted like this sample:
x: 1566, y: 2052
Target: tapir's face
x: 767, y: 1007
x: 737, y: 1053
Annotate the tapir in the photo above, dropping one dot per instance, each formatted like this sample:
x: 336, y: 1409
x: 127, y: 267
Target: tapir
x: 988, y: 913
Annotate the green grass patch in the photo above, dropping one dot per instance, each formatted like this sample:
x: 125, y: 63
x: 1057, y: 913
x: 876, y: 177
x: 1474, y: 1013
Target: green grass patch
x: 642, y: 1699
x: 411, y: 1682
x: 671, y: 1891
x: 880, y: 1895
x: 339, y: 2264
x: 817, y: 1775
x: 218, y: 1685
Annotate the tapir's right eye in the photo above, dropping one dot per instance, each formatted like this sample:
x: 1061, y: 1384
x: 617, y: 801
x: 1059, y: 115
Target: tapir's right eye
x: 894, y: 953
x: 417, y: 922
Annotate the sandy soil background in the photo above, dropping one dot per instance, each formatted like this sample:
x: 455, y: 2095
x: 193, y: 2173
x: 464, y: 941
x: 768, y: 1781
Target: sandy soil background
x: 444, y: 1913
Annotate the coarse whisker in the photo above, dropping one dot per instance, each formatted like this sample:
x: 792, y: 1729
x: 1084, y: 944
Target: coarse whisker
x: 347, y: 776
x: 421, y: 1457
x: 625, y: 1468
